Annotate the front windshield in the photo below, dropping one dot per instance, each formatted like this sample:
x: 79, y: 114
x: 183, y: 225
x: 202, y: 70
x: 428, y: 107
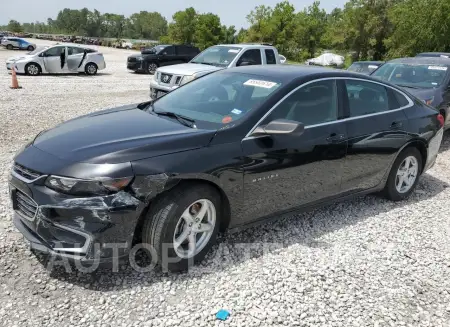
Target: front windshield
x: 37, y: 50
x: 220, y: 56
x: 365, y: 68
x: 219, y: 98
x: 413, y: 75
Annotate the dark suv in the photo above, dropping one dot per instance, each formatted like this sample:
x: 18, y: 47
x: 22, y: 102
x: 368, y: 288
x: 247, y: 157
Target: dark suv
x: 162, y: 55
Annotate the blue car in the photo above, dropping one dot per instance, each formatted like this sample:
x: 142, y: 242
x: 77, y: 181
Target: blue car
x: 11, y: 43
x: 427, y: 78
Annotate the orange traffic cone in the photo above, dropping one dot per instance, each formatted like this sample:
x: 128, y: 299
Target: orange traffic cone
x: 15, y: 82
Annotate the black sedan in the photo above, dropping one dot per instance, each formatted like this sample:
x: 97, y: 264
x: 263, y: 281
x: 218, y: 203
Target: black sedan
x: 170, y: 174
x: 364, y: 67
x: 427, y: 78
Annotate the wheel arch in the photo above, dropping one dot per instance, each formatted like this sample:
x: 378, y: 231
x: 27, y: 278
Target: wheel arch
x: 188, y: 181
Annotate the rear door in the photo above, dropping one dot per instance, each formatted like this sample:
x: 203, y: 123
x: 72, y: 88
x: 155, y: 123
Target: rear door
x: 377, y: 129
x: 75, y: 56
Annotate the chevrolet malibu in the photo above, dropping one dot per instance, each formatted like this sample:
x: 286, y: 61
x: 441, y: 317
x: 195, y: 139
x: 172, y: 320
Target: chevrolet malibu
x: 173, y: 172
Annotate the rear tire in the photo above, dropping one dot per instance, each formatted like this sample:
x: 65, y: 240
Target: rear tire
x: 166, y: 225
x: 404, y: 175
x: 91, y: 69
x: 30, y: 48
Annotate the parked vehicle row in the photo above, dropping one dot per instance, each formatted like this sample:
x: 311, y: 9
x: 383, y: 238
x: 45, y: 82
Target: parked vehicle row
x: 58, y: 59
x: 214, y: 58
x: 233, y: 148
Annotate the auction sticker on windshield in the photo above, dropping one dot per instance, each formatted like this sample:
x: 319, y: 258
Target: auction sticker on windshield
x: 234, y: 50
x: 372, y: 66
x: 260, y: 83
x: 437, y: 68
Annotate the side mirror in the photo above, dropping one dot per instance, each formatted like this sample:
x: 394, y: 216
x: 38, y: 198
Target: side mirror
x: 280, y: 126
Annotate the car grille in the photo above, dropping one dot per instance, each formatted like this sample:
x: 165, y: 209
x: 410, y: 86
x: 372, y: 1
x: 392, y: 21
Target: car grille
x: 165, y: 78
x: 25, y: 172
x: 132, y: 59
x: 25, y: 205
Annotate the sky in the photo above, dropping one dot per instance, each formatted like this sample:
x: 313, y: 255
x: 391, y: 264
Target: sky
x: 231, y: 12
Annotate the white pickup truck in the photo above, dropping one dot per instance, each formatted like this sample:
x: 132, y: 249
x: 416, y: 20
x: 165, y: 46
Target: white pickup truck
x: 214, y: 58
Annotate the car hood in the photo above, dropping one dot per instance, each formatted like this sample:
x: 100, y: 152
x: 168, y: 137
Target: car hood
x: 17, y: 58
x: 118, y: 135
x: 188, y: 69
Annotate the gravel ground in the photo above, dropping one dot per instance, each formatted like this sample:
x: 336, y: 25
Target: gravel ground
x: 366, y: 262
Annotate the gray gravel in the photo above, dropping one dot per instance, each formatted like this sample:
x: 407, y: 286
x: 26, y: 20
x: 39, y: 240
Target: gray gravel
x: 366, y: 262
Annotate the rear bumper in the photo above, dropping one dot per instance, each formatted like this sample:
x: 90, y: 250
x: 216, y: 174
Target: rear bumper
x: 433, y: 149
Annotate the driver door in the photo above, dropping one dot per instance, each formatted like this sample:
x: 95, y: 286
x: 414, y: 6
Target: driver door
x: 286, y: 171
x: 55, y: 60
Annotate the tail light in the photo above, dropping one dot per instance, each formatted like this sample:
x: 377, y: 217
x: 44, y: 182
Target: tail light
x: 441, y: 120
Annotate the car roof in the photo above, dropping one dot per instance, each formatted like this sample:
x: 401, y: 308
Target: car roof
x: 287, y: 73
x: 71, y: 45
x: 368, y: 62
x: 245, y: 45
x: 422, y: 60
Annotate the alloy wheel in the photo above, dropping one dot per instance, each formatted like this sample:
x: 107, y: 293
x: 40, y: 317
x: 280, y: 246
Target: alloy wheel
x: 91, y: 69
x: 406, y: 174
x: 33, y: 69
x: 152, y: 68
x: 194, y: 228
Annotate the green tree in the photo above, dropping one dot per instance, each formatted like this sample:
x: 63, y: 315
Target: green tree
x: 14, y: 26
x: 183, y: 27
x: 208, y: 31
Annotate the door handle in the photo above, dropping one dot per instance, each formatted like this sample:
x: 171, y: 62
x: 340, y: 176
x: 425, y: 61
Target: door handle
x: 396, y: 125
x: 335, y: 138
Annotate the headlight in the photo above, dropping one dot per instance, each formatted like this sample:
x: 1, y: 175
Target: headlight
x: 187, y: 79
x: 98, y: 186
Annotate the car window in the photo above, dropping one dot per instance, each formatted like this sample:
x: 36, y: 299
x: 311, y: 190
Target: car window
x: 53, y: 52
x: 168, y: 51
x: 220, y: 56
x: 252, y: 56
x: 183, y: 50
x: 270, y: 57
x: 401, y: 100
x: 74, y: 50
x: 219, y: 98
x: 312, y: 104
x: 366, y: 98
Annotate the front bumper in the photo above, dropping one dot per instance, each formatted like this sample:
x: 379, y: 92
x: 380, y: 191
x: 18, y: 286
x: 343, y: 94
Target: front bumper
x: 87, y: 229
x: 157, y: 90
x: 136, y: 66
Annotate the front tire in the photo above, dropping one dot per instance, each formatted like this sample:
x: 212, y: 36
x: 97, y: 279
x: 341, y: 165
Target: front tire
x: 182, y: 227
x: 9, y: 47
x: 33, y: 69
x: 30, y: 48
x: 404, y: 175
x: 91, y: 69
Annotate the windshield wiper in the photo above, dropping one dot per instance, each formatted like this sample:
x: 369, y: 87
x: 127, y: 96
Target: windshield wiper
x: 409, y: 86
x: 186, y: 121
x: 203, y: 63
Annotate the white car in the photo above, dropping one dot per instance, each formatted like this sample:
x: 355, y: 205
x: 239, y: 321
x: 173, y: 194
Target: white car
x: 327, y: 59
x: 58, y: 59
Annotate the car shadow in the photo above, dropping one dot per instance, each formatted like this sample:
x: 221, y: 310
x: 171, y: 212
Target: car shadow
x: 445, y: 145
x: 305, y: 229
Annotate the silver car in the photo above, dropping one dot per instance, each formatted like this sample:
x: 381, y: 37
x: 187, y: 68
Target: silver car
x: 11, y: 42
x: 58, y: 59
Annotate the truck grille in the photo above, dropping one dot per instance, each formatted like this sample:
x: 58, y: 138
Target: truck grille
x: 25, y: 205
x: 25, y: 172
x: 132, y: 59
x: 165, y: 78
